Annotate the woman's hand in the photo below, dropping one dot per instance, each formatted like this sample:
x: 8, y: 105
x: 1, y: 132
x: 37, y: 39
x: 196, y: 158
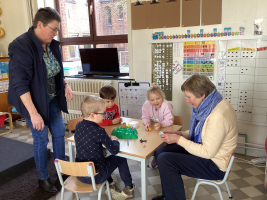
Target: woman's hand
x: 157, y: 126
x: 68, y: 91
x: 114, y: 138
x: 37, y: 121
x: 174, y: 132
x: 148, y: 126
x: 170, y: 138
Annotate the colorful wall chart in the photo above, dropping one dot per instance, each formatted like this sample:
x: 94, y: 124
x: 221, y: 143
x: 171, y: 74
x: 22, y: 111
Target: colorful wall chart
x: 162, y: 60
x: 199, y: 58
x: 3, y: 70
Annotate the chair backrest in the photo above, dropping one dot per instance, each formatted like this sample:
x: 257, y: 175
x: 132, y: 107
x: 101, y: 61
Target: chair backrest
x: 229, y: 164
x: 75, y: 168
x: 72, y: 123
x: 178, y: 120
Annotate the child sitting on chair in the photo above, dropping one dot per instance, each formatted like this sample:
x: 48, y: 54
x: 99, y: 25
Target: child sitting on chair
x: 108, y: 93
x: 89, y: 138
x: 156, y: 109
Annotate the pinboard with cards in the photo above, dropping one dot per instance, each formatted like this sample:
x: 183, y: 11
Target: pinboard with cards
x: 162, y: 67
x: 132, y: 96
x: 242, y: 78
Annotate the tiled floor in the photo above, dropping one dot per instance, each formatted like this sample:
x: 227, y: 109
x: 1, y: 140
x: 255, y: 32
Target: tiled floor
x: 245, y: 180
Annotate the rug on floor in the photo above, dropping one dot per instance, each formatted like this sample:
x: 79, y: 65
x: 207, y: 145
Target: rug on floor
x: 25, y: 187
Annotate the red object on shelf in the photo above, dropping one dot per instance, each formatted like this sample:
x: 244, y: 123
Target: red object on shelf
x: 2, y: 120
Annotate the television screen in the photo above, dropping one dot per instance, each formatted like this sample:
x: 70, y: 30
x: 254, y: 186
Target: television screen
x: 100, y: 61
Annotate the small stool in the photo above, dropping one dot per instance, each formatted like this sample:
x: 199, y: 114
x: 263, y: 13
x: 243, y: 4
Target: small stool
x: 9, y: 119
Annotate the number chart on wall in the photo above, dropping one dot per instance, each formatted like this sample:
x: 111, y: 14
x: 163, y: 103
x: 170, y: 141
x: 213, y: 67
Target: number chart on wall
x: 162, y: 60
x: 242, y: 78
x: 199, y: 58
x: 132, y: 98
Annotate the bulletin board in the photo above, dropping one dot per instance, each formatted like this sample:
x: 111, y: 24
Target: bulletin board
x: 199, y: 58
x: 4, y: 83
x: 242, y: 78
x: 162, y: 60
x: 132, y: 99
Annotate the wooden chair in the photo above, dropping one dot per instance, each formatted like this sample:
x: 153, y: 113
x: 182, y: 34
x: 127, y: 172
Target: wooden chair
x: 9, y: 119
x: 178, y: 120
x: 75, y: 169
x: 72, y: 123
x: 217, y: 183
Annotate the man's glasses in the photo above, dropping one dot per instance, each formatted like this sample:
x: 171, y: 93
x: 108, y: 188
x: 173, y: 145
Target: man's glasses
x: 104, y: 114
x: 53, y: 30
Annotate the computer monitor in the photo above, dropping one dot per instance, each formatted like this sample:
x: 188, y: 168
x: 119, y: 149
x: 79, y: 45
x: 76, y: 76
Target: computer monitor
x: 100, y: 61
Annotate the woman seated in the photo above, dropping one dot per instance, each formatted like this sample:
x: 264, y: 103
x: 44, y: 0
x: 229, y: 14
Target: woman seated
x: 201, y: 152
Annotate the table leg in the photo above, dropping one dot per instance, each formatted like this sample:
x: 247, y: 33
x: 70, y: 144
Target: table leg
x: 143, y: 179
x: 71, y: 151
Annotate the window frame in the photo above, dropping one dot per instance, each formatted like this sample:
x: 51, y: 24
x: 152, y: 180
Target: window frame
x: 93, y: 39
x: 120, y: 13
x: 108, y: 18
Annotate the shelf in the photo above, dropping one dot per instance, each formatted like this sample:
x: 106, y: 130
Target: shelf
x: 264, y: 37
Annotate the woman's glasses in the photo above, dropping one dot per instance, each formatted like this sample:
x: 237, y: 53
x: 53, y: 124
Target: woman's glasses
x: 53, y: 30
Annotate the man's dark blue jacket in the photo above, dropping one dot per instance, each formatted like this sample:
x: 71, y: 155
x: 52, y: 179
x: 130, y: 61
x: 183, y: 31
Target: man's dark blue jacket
x: 28, y: 73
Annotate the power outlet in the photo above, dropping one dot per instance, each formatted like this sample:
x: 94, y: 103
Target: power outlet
x: 259, y: 160
x: 264, y: 37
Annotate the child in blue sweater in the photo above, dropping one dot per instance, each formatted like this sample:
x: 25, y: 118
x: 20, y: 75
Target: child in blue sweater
x: 89, y: 138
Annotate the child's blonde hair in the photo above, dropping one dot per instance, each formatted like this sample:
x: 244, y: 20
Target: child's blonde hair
x: 92, y: 104
x: 155, y: 89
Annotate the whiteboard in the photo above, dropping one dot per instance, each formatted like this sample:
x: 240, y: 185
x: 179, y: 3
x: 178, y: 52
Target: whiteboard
x: 131, y: 99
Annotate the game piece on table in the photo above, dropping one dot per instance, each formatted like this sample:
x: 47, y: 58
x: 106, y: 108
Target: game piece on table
x: 142, y: 141
x: 149, y: 129
x: 160, y: 133
x: 124, y: 125
x: 128, y: 142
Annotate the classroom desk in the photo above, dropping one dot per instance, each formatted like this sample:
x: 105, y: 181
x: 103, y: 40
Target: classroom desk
x: 135, y: 150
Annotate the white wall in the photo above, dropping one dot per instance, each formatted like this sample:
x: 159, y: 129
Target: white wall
x: 234, y: 14
x: 15, y: 21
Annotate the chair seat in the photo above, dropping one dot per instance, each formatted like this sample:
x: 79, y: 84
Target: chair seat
x: 74, y: 185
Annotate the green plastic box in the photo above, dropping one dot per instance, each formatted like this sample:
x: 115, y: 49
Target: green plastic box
x: 125, y: 133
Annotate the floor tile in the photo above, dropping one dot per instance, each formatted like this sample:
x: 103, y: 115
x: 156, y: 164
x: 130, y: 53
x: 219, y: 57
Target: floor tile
x: 201, y: 191
x: 251, y: 191
x: 253, y: 180
x: 254, y: 171
x: 239, y: 183
x: 242, y: 173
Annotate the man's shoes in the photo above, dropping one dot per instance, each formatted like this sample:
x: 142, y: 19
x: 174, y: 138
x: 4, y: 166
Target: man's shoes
x: 160, y: 197
x: 47, y: 186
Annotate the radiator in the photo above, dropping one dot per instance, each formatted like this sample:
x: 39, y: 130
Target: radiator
x: 82, y: 88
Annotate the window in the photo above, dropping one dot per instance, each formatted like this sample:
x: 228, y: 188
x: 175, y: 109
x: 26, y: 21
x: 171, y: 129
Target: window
x: 70, y: 1
x: 108, y: 16
x: 93, y: 25
x: 120, y: 13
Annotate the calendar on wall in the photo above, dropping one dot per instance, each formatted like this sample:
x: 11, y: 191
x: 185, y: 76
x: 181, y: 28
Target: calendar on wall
x: 162, y: 60
x: 242, y: 78
x: 199, y: 58
x: 132, y: 98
